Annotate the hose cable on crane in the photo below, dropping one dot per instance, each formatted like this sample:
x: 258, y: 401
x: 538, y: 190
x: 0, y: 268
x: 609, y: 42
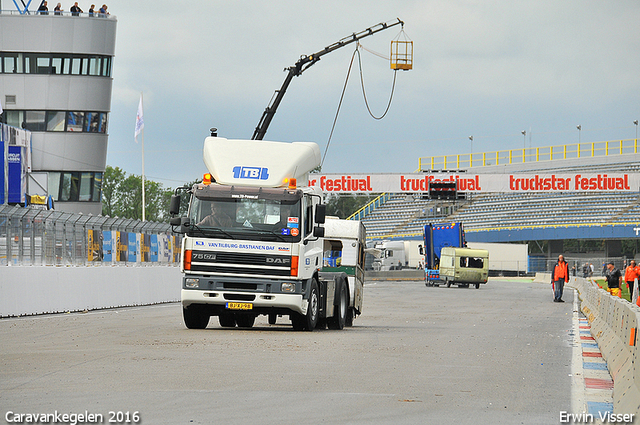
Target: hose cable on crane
x: 344, y: 88
x: 335, y: 119
x: 364, y: 93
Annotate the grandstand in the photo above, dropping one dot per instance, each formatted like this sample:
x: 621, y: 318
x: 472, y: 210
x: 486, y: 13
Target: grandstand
x: 402, y: 216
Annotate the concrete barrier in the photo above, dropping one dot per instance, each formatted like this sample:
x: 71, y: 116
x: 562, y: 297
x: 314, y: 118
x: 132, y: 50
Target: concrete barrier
x: 36, y: 290
x: 542, y: 278
x: 614, y: 324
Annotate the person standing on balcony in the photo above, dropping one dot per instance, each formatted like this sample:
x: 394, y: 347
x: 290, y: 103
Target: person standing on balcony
x: 43, y: 9
x: 75, y: 9
x: 559, y: 276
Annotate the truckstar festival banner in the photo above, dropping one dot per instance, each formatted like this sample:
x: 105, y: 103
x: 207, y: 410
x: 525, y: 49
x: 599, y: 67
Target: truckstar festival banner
x: 477, y: 183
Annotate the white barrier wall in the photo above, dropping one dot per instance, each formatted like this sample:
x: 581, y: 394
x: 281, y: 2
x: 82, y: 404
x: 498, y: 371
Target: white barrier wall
x: 36, y: 290
x: 614, y: 324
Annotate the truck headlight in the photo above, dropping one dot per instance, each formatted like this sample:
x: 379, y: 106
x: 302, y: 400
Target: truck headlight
x: 288, y: 287
x: 191, y: 282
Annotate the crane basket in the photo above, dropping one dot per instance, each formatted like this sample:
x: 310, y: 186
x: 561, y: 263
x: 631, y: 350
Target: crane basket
x: 402, y: 54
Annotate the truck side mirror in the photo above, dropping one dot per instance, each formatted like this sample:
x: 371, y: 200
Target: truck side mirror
x: 420, y: 250
x: 182, y: 223
x: 174, y: 207
x: 321, y: 213
x: 318, y: 232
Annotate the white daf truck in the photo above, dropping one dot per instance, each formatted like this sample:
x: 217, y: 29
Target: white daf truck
x: 254, y: 240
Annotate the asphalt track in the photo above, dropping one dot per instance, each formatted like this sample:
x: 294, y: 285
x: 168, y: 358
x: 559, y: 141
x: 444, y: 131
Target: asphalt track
x: 497, y: 355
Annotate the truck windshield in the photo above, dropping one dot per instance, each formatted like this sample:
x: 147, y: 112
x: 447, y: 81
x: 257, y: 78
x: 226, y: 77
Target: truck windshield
x: 247, y: 218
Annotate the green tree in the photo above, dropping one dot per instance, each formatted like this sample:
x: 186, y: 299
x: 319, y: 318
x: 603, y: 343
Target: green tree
x: 122, y: 196
x: 110, y: 191
x: 346, y: 204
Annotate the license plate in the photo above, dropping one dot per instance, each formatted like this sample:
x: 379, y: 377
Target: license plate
x: 239, y: 306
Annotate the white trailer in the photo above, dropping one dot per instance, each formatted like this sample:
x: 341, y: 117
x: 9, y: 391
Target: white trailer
x: 344, y: 248
x: 397, y: 255
x: 505, y: 257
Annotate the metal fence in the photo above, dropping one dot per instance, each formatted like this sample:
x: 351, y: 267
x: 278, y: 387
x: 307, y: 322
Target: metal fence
x: 37, y: 237
x: 577, y: 264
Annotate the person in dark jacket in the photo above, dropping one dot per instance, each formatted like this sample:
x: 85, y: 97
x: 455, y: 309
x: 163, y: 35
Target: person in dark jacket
x: 43, y: 9
x: 614, y: 278
x: 559, y: 276
x: 75, y: 9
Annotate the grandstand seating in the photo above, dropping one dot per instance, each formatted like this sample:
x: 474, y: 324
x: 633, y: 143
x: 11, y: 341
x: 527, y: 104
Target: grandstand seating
x: 405, y: 215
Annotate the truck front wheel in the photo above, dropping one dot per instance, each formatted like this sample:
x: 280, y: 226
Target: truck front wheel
x: 194, y: 317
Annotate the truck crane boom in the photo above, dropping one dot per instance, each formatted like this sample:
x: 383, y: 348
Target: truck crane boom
x: 302, y: 65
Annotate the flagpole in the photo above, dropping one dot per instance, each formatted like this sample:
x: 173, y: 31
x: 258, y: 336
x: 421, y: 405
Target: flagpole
x: 143, y: 195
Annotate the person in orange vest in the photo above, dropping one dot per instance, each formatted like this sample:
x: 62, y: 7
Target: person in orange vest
x: 559, y: 276
x: 631, y: 273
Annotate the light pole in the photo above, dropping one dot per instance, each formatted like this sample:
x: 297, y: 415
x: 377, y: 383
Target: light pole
x: 471, y: 154
x: 579, y: 127
x: 636, y: 123
x: 471, y: 138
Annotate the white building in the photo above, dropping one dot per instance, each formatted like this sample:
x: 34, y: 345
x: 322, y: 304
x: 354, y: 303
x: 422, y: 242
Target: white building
x: 55, y: 80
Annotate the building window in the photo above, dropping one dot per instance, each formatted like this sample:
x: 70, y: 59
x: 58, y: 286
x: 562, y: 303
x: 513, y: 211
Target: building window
x: 72, y: 186
x: 75, y: 121
x: 81, y: 121
x: 55, y: 120
x: 34, y: 121
x: 97, y: 187
x: 55, y: 63
x: 14, y: 118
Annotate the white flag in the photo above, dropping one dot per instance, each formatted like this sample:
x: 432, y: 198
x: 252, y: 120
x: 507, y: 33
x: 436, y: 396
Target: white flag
x: 139, y: 120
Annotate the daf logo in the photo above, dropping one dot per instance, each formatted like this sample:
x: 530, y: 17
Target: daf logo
x: 278, y: 260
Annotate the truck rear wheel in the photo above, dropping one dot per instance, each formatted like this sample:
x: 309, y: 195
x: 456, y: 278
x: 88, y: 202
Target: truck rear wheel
x: 194, y: 317
x: 340, y: 313
x: 350, y: 315
x: 308, y: 322
x: 227, y: 320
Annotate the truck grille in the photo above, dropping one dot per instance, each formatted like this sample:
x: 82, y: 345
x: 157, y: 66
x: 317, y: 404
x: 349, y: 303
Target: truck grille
x: 240, y: 263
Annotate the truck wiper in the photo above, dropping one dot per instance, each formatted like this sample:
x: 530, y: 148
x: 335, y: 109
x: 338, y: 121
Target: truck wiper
x: 206, y: 231
x: 270, y: 232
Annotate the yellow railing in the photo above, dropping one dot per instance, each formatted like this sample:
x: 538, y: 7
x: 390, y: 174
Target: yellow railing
x: 519, y: 156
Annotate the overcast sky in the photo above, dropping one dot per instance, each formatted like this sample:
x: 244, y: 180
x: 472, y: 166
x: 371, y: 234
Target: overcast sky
x: 487, y: 69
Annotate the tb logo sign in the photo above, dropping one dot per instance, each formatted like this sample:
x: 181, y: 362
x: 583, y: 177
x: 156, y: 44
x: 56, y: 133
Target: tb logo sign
x: 254, y: 173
